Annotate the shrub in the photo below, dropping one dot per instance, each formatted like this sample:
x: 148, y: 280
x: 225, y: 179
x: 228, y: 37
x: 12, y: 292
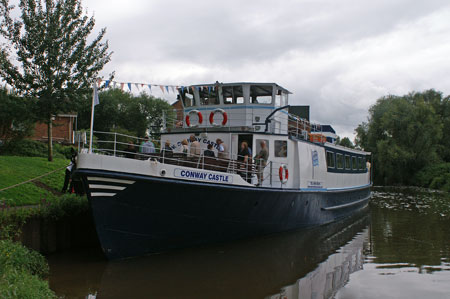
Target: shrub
x: 22, y: 272
x: 33, y: 148
x: 436, y: 176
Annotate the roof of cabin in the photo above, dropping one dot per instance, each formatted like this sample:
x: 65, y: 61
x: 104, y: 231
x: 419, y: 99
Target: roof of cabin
x: 244, y: 83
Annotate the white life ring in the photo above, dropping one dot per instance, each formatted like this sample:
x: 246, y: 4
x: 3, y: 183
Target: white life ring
x: 188, y: 118
x: 224, y: 115
x: 283, y: 172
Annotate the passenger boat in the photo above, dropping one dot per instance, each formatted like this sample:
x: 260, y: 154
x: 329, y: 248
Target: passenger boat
x: 146, y: 203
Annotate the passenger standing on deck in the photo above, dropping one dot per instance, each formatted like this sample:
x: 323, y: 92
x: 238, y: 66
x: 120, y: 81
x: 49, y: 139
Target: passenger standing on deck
x: 243, y: 161
x: 167, y: 151
x: 184, y: 147
x: 147, y: 147
x: 130, y: 151
x: 195, y: 149
x: 223, y: 149
x: 69, y: 170
x: 261, y: 161
x: 209, y: 152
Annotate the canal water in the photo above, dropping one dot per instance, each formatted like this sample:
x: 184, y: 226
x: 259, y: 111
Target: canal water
x: 397, y: 248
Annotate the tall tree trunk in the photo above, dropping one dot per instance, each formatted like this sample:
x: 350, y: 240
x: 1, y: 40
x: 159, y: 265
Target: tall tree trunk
x: 50, y: 137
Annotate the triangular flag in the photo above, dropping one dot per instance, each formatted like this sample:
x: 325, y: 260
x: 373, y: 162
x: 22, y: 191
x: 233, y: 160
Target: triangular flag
x: 167, y: 88
x: 129, y: 86
x: 162, y: 88
x: 137, y: 85
x: 150, y: 87
x: 106, y: 83
x: 173, y: 89
x: 142, y: 85
x: 121, y: 85
x: 114, y: 84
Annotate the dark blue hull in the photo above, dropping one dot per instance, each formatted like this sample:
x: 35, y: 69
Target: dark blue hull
x: 156, y: 214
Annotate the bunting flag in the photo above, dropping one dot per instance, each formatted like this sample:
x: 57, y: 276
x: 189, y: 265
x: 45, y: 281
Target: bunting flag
x: 164, y: 88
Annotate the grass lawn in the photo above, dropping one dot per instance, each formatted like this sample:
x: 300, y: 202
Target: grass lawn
x: 15, y: 169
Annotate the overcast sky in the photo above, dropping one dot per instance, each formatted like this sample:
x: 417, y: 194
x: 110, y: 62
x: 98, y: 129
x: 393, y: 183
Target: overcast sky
x: 338, y: 56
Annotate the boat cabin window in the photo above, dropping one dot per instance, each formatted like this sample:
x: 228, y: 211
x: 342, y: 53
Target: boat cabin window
x: 340, y: 161
x: 354, y: 163
x: 232, y: 95
x: 347, y: 162
x: 187, y: 98
x: 208, y: 96
x: 261, y: 94
x: 361, y: 164
x: 330, y: 160
x: 280, y: 148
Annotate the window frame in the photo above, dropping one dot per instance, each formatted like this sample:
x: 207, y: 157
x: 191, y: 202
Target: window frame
x: 338, y: 155
x: 333, y: 155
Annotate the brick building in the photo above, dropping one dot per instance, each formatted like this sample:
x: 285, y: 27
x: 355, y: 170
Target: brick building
x: 63, y: 129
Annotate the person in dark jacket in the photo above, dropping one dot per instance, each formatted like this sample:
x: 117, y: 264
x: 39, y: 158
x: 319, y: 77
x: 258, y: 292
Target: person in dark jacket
x: 209, y: 152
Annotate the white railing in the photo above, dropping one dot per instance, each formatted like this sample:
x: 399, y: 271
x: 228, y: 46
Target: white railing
x: 290, y: 124
x: 260, y: 173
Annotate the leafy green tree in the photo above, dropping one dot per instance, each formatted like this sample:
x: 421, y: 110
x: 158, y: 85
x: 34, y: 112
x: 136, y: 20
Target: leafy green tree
x: 405, y: 135
x: 15, y: 119
x: 120, y: 111
x: 345, y: 142
x: 47, y: 55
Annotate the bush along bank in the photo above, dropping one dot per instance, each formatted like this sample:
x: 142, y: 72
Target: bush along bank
x: 22, y: 272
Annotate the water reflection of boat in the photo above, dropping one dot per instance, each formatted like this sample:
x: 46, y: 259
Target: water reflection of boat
x: 330, y: 275
x: 246, y: 269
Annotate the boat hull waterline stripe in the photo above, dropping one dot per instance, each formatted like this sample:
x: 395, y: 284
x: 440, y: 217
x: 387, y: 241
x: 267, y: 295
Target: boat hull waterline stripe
x: 346, y: 205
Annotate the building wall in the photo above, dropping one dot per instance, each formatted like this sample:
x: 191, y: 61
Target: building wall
x: 62, y: 130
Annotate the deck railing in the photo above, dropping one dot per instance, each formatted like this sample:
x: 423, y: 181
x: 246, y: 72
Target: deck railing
x: 296, y: 127
x: 258, y: 173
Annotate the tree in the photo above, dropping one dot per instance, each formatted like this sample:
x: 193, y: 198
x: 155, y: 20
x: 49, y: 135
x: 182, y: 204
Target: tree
x: 345, y: 142
x: 119, y: 109
x: 15, y: 119
x: 48, y: 57
x: 405, y: 135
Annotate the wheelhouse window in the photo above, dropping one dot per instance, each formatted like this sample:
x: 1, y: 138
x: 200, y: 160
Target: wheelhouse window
x: 340, y: 161
x: 280, y: 148
x: 330, y: 160
x: 188, y: 98
x: 347, y: 162
x: 261, y: 94
x: 232, y: 95
x: 354, y: 163
x: 208, y: 96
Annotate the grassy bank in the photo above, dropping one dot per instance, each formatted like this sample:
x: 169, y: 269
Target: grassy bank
x: 14, y: 169
x: 22, y: 272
